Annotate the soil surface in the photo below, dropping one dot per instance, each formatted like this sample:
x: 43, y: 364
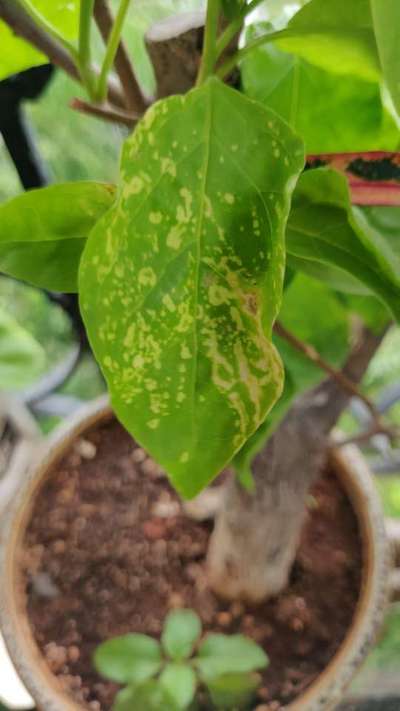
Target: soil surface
x: 110, y: 551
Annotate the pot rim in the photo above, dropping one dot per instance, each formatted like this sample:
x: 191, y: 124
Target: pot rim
x: 323, y: 694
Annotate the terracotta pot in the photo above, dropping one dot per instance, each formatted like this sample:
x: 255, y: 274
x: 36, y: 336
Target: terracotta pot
x: 322, y: 695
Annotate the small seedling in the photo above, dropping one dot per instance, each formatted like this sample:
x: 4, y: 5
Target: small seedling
x: 167, y: 675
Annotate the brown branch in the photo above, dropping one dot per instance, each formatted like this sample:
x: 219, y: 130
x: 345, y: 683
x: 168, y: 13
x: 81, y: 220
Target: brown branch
x: 376, y: 428
x: 106, y: 112
x: 312, y: 354
x: 133, y: 96
x: 22, y: 24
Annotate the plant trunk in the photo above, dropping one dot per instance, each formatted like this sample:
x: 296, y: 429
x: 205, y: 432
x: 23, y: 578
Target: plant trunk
x: 256, y: 535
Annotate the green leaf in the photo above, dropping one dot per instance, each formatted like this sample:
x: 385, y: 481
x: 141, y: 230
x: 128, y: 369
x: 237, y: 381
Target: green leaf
x: 17, y: 55
x: 182, y: 629
x: 180, y: 682
x: 221, y: 654
x: 318, y: 103
x: 386, y: 17
x: 21, y: 356
x: 62, y: 15
x: 324, y: 228
x: 232, y: 8
x: 233, y: 690
x: 178, y: 305
x: 152, y: 696
x: 244, y: 458
x: 385, y: 221
x: 132, y: 658
x: 43, y: 232
x: 337, y: 36
x: 315, y: 315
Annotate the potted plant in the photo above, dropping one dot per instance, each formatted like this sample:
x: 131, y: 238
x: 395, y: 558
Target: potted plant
x: 214, y: 231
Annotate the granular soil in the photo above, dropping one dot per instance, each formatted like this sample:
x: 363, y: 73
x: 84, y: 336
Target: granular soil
x: 109, y: 550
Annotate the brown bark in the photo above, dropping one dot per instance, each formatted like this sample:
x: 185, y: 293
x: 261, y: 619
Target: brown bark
x: 175, y: 47
x: 256, y: 535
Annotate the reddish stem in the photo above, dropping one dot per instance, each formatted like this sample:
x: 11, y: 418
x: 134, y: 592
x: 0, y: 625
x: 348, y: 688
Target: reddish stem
x: 374, y: 177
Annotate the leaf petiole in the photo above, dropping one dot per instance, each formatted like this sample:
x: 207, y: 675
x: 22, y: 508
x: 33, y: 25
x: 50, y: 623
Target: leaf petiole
x: 111, y: 50
x: 210, y: 42
x: 84, y: 50
x: 231, y: 63
x: 235, y: 26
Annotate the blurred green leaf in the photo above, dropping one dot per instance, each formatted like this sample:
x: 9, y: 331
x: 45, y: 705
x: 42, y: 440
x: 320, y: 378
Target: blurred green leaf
x: 149, y: 697
x: 43, y: 232
x: 314, y: 314
x: 233, y: 691
x: 180, y: 682
x: 17, y: 55
x: 232, y: 8
x: 63, y: 15
x: 318, y: 103
x: 221, y: 654
x: 132, y: 658
x: 386, y: 17
x: 21, y: 356
x: 385, y: 221
x: 324, y: 228
x: 337, y: 36
x: 182, y: 629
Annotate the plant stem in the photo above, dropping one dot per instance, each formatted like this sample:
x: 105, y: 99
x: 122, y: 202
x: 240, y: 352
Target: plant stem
x: 312, y: 354
x: 231, y: 63
x: 111, y: 50
x: 84, y: 52
x: 109, y: 113
x: 42, y: 23
x: 133, y: 96
x: 235, y: 26
x: 209, y: 56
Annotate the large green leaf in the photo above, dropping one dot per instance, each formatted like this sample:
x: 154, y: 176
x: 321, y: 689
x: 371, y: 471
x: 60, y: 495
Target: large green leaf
x: 324, y: 228
x: 21, y: 356
x: 318, y: 103
x: 337, y: 36
x: 17, y: 55
x: 386, y: 17
x: 132, y: 658
x: 180, y: 282
x: 43, y: 232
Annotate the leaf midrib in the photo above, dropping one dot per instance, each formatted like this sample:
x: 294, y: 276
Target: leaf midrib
x: 206, y: 165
